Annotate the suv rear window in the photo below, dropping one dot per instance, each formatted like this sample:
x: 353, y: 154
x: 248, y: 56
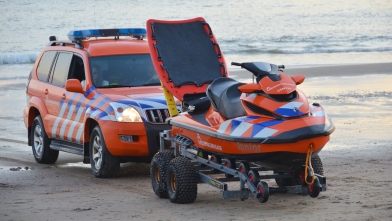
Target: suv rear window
x: 125, y: 70
x: 45, y: 64
x: 60, y: 73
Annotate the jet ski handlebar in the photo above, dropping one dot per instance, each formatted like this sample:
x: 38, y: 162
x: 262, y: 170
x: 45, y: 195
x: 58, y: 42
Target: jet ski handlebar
x: 236, y: 64
x: 242, y: 65
x: 261, y: 69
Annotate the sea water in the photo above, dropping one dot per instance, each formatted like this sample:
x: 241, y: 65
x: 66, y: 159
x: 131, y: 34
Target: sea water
x: 294, y: 33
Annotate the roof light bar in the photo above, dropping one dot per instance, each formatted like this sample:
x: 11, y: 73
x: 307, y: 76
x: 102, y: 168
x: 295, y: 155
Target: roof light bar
x: 78, y: 35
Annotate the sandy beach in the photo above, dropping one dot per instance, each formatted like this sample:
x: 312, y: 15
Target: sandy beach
x: 357, y: 163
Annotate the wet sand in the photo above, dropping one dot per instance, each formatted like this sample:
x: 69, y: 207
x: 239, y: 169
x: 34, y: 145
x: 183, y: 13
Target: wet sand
x: 357, y: 163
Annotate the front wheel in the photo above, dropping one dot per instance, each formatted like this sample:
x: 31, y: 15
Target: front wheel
x: 103, y: 163
x: 41, y: 150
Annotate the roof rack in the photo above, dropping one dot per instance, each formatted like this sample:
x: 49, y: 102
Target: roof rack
x: 63, y: 43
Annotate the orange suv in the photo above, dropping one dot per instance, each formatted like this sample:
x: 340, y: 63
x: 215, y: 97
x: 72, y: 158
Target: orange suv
x: 96, y: 95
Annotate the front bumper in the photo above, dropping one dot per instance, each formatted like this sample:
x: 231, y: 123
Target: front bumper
x: 146, y: 144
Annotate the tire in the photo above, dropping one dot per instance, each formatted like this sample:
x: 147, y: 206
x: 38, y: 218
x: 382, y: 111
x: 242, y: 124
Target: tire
x: 158, y: 169
x: 314, y: 189
x: 40, y: 145
x: 254, y: 176
x: 215, y: 159
x: 103, y: 163
x: 317, y: 168
x: 317, y: 165
x: 181, y: 181
x: 230, y: 163
x: 244, y: 167
x: 263, y: 188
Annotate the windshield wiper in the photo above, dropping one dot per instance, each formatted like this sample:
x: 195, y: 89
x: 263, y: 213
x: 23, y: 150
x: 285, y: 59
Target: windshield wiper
x: 152, y: 84
x: 114, y: 86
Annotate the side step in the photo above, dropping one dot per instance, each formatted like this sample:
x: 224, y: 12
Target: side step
x: 67, y: 147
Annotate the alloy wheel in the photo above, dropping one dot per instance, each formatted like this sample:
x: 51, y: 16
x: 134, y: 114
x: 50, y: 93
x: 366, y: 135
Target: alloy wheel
x: 97, y: 152
x: 38, y: 141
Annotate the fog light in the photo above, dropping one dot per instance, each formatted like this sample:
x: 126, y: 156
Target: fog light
x: 126, y: 138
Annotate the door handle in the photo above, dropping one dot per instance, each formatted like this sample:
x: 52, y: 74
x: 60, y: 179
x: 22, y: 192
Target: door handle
x: 64, y: 96
x: 46, y: 91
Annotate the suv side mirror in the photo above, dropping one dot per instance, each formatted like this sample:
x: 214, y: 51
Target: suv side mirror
x: 73, y: 85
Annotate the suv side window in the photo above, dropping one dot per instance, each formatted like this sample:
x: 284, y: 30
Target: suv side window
x: 76, y: 70
x: 61, y: 69
x: 45, y: 64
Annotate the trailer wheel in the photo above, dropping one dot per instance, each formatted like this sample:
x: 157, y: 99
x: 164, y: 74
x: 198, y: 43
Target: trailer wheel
x: 317, y: 168
x: 230, y: 163
x: 314, y: 189
x: 215, y: 159
x: 263, y: 189
x: 158, y: 169
x: 244, y: 167
x: 181, y: 181
x: 254, y: 176
x: 317, y: 165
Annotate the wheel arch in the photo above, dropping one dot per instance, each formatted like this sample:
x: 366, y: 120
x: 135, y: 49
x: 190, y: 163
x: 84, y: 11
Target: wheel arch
x: 37, y: 107
x: 89, y: 125
x: 33, y: 113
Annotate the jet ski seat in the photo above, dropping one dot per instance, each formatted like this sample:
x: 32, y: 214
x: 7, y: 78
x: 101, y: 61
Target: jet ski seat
x: 225, y: 97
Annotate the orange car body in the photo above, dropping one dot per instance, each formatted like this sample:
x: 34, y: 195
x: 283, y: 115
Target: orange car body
x: 70, y: 111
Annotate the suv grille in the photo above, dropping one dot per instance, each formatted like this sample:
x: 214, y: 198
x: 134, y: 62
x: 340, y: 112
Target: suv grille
x: 258, y: 110
x: 157, y: 116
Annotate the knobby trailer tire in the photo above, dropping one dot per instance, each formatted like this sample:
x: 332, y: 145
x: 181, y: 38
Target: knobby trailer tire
x: 158, y: 169
x: 318, y: 168
x: 317, y: 165
x: 181, y: 181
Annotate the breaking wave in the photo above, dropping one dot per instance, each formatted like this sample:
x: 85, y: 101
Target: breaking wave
x: 353, y: 94
x: 13, y: 78
x: 18, y: 58
x: 268, y: 50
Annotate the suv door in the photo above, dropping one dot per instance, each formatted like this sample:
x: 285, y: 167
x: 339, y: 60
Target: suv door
x: 56, y: 95
x: 75, y: 102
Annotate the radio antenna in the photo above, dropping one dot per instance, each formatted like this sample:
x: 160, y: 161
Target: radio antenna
x: 95, y: 18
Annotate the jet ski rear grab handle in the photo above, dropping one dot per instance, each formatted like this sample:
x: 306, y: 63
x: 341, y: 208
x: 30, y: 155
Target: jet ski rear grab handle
x: 183, y: 147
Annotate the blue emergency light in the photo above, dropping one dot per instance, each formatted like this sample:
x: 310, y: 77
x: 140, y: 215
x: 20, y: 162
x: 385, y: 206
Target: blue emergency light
x: 78, y: 35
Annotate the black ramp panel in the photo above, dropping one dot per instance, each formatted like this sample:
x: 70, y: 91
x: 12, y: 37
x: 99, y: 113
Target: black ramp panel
x: 187, y: 53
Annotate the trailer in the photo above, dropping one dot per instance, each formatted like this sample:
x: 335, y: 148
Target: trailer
x: 179, y: 166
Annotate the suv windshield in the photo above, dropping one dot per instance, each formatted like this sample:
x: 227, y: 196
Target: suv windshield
x: 123, y: 71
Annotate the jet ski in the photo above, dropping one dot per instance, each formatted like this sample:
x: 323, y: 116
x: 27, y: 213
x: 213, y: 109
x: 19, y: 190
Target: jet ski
x: 268, y: 123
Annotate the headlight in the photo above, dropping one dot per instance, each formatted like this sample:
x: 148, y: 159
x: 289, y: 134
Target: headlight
x: 125, y: 113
